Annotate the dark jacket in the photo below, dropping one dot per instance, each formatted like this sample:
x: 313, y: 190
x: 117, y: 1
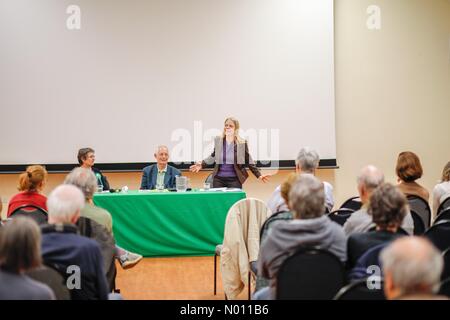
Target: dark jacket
x: 359, y: 243
x: 150, y: 173
x: 242, y: 159
x: 65, y: 250
x: 101, y: 178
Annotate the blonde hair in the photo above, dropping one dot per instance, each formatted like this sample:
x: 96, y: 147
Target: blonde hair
x: 287, y: 185
x: 236, y: 129
x: 446, y: 172
x: 33, y: 178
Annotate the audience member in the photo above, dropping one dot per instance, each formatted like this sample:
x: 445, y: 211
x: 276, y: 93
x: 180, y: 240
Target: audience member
x: 85, y: 180
x: 368, y: 180
x: 31, y: 184
x: 310, y: 228
x: 412, y: 269
x: 408, y: 171
x: 441, y: 191
x: 20, y: 251
x: 76, y: 257
x: 388, y: 207
x: 306, y: 163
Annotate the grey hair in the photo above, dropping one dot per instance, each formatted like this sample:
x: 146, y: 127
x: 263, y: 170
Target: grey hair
x: 307, y: 159
x: 64, y: 202
x: 160, y: 147
x: 370, y: 177
x: 413, y: 263
x: 84, y: 179
x: 307, y: 197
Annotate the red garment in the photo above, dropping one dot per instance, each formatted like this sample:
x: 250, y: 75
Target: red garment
x: 28, y: 197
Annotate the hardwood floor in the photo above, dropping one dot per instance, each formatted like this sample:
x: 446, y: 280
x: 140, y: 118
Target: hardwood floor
x: 178, y: 278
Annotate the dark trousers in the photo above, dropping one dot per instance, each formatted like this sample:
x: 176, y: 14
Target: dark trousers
x: 229, y: 182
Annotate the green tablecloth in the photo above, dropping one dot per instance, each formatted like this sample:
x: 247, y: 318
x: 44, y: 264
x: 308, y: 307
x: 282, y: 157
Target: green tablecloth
x: 168, y: 223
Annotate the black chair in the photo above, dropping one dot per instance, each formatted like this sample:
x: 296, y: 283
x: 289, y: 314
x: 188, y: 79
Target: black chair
x: 400, y: 230
x: 91, y: 229
x: 53, y: 279
x: 439, y: 235
x: 310, y: 274
x: 34, y: 212
x: 277, y: 217
x: 443, y: 215
x: 340, y: 216
x: 353, y: 203
x: 362, y: 290
x: 419, y: 227
x: 209, y: 179
x: 445, y: 288
x: 422, y: 208
x: 446, y: 271
x: 444, y: 205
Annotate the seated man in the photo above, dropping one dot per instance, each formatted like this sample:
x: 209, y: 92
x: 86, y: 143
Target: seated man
x: 361, y: 221
x: 159, y: 174
x: 76, y: 257
x: 85, y: 180
x: 307, y: 162
x: 412, y: 269
x: 388, y: 207
x: 309, y: 228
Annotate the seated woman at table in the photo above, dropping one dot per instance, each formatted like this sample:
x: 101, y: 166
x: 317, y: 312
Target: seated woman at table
x: 159, y: 174
x: 86, y: 159
x: 230, y: 157
x: 31, y: 184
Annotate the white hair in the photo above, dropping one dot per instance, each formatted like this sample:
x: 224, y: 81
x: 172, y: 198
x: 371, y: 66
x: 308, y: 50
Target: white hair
x: 307, y: 197
x: 307, y: 159
x: 370, y: 177
x: 161, y: 147
x: 84, y: 179
x: 64, y: 202
x: 414, y: 264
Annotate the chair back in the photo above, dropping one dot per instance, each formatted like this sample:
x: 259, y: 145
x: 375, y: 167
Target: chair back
x: 241, y: 239
x: 209, y: 179
x: 364, y: 289
x: 273, y: 220
x: 443, y: 215
x: 311, y: 274
x: 31, y: 211
x: 340, y: 216
x: 439, y: 234
x: 419, y: 227
x: 353, y: 203
x: 53, y: 279
x: 91, y: 229
x: 446, y: 258
x: 445, y: 288
x: 444, y: 205
x: 422, y: 208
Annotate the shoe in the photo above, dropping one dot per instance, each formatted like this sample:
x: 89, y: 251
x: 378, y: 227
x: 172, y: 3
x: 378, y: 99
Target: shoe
x: 129, y: 260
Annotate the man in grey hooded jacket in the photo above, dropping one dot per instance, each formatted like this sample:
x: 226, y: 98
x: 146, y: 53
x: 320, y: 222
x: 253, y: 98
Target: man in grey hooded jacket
x: 309, y: 229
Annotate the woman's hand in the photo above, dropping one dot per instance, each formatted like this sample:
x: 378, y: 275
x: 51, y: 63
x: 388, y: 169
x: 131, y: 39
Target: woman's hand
x: 195, y: 167
x: 264, y: 178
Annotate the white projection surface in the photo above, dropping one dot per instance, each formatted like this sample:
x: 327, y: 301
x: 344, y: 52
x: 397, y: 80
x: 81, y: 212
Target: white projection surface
x: 137, y: 74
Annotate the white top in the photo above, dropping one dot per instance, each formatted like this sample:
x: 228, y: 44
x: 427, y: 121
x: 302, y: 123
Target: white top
x: 440, y: 192
x: 276, y: 202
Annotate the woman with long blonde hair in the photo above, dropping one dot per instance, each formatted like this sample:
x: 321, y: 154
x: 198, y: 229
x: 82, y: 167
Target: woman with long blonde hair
x: 230, y: 157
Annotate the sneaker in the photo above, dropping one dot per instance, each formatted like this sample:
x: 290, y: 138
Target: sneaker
x: 129, y: 260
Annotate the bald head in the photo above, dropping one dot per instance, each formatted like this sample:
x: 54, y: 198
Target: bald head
x: 369, y: 178
x: 64, y: 204
x: 411, y: 265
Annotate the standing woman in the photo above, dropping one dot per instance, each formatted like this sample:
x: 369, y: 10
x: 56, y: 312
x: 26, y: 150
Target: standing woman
x: 86, y: 159
x: 230, y: 156
x: 31, y: 184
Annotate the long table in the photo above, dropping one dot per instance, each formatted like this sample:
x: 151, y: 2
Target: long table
x: 169, y: 223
